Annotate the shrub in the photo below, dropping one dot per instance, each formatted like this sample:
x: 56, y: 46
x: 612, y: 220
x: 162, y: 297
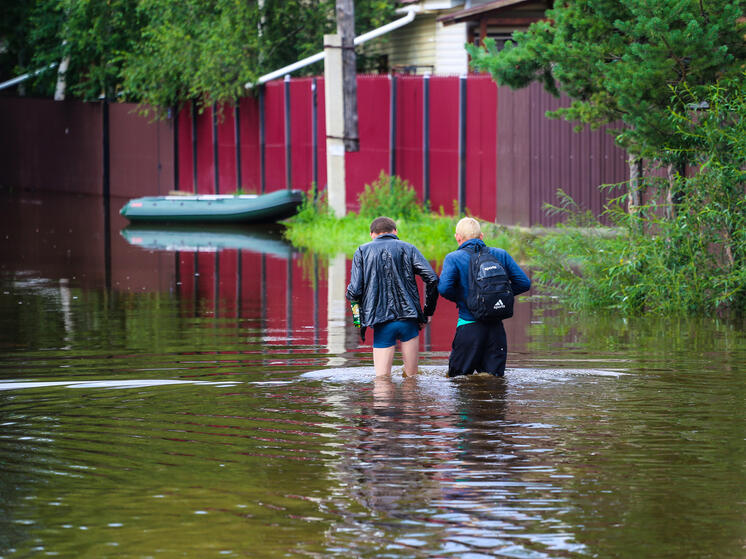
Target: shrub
x: 312, y: 208
x: 390, y: 196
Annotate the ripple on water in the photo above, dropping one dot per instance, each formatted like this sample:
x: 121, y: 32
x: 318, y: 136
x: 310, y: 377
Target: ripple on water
x: 431, y: 373
x: 111, y: 384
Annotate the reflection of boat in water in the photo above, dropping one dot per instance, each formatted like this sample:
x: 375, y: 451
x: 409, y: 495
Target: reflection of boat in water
x: 207, y: 238
x: 214, y: 208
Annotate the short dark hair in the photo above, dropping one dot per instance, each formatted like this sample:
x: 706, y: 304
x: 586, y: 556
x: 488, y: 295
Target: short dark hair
x: 382, y: 225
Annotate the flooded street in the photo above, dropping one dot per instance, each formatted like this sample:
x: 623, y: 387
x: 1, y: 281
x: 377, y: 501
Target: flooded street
x: 170, y: 393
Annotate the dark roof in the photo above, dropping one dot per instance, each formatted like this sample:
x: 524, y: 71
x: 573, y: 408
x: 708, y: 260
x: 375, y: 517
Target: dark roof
x: 471, y: 14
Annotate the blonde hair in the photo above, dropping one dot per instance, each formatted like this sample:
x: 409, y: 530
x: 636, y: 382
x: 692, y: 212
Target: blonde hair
x: 468, y: 228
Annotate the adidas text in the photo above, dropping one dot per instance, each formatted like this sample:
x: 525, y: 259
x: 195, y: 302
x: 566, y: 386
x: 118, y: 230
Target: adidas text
x: 499, y: 304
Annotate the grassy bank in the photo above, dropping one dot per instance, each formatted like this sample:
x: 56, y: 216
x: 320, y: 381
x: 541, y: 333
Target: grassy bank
x: 315, y: 228
x: 432, y: 234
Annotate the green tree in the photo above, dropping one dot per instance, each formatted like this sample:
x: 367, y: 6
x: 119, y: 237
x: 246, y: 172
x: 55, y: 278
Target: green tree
x: 622, y: 60
x: 192, y: 49
x: 163, y: 52
x: 208, y: 51
x: 93, y: 34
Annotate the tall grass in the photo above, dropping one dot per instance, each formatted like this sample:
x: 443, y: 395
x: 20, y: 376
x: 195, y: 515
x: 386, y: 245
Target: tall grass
x: 316, y: 228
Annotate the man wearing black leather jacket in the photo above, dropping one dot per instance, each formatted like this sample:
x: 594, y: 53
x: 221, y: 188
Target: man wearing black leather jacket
x: 382, y: 282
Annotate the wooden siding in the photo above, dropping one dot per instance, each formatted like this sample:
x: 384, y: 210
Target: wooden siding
x: 451, y: 57
x: 425, y: 46
x: 413, y: 45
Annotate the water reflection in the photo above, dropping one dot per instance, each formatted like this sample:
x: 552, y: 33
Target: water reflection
x: 443, y: 467
x: 213, y: 401
x: 222, y: 272
x: 208, y: 238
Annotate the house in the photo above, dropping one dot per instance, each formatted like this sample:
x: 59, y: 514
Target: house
x: 434, y: 42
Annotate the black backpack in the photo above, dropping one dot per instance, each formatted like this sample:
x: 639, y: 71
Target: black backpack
x: 490, y: 295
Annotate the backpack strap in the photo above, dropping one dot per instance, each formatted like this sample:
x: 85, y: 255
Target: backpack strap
x: 475, y: 248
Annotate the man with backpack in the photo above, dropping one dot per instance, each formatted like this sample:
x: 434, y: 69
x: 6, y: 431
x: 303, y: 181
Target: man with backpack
x: 482, y: 281
x: 384, y: 292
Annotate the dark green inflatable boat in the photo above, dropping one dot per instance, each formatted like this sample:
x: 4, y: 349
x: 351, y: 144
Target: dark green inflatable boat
x: 214, y: 208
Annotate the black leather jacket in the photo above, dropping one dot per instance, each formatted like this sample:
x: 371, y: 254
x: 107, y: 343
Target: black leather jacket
x: 382, y: 280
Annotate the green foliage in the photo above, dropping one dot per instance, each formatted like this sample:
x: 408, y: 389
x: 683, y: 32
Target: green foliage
x: 165, y: 52
x: 694, y: 263
x: 192, y: 49
x: 389, y: 196
x: 619, y: 60
x: 93, y: 34
x: 314, y: 207
x: 650, y: 65
x: 711, y: 211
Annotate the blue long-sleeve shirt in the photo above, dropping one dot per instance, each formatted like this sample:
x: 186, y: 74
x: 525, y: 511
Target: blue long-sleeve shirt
x: 454, y: 279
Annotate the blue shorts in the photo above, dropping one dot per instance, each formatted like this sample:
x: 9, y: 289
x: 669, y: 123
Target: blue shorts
x: 386, y: 334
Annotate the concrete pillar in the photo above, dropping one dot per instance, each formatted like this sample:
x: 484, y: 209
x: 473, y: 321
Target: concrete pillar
x: 334, y: 104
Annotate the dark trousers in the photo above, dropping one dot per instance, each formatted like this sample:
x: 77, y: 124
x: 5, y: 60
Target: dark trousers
x: 478, y: 347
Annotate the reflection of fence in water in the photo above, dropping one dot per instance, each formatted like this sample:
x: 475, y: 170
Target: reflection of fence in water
x: 251, y: 274
x: 252, y: 285
x: 303, y: 302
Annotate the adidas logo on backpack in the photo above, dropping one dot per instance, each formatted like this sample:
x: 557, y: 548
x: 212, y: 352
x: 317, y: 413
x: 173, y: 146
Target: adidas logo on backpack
x: 490, y: 295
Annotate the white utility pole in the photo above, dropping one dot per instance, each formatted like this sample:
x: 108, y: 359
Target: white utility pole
x: 335, y: 145
x: 340, y: 88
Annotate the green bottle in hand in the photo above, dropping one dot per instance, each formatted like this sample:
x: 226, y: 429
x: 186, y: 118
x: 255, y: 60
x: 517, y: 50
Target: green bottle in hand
x: 355, y: 306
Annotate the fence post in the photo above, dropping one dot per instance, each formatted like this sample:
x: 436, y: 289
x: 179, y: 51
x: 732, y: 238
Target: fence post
x: 462, y: 145
x: 426, y: 138
x: 392, y: 126
x: 288, y: 139
x: 215, y: 163
x: 237, y: 136
x: 335, y: 148
x: 262, y: 141
x: 194, y: 148
x: 175, y: 112
x: 106, y: 180
x: 106, y: 143
x: 314, y: 139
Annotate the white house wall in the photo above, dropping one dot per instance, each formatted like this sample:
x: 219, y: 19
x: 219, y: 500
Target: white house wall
x: 426, y: 45
x: 413, y: 45
x: 450, y: 54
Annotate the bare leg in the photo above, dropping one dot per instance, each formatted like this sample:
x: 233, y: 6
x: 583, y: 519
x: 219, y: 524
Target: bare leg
x: 410, y: 352
x: 383, y: 391
x: 383, y: 357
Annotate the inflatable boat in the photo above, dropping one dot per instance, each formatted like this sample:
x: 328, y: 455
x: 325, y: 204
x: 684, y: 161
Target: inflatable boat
x: 214, y: 208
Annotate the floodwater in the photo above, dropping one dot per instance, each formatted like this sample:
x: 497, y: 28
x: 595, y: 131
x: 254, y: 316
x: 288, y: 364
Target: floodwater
x: 166, y: 393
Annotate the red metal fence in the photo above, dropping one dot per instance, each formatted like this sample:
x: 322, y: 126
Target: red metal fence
x: 514, y: 159
x: 536, y: 156
x: 402, y: 154
x: 58, y: 146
